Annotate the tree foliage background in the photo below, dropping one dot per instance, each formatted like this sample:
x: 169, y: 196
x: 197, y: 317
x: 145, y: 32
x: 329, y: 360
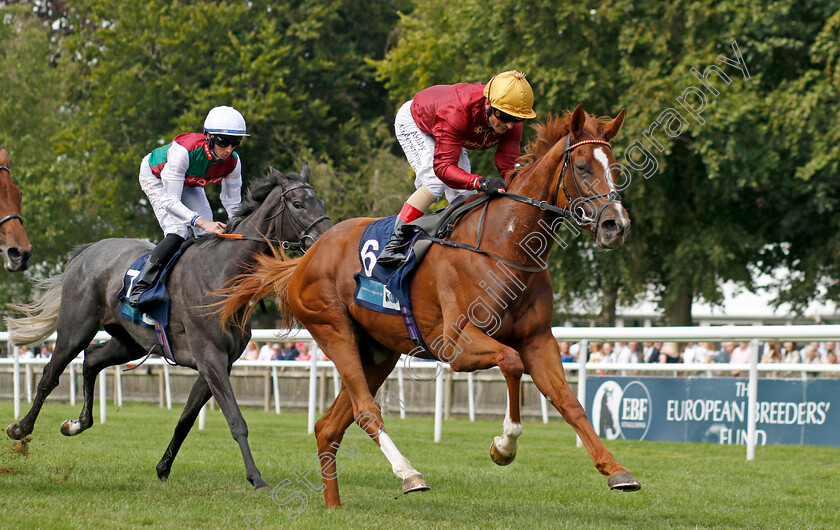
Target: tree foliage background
x: 88, y: 87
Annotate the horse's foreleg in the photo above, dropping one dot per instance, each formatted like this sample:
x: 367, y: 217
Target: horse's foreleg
x: 503, y: 448
x: 215, y: 371
x: 199, y: 395
x: 481, y: 352
x: 542, y: 361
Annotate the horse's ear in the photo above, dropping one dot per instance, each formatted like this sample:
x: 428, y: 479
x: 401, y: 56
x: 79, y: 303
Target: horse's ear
x: 577, y: 122
x: 304, y: 172
x: 611, y: 129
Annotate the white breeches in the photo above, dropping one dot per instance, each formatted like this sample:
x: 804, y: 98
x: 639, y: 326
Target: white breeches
x: 419, y: 149
x: 193, y: 198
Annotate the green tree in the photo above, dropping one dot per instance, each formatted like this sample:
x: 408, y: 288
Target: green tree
x: 710, y: 208
x: 107, y: 82
x: 33, y: 108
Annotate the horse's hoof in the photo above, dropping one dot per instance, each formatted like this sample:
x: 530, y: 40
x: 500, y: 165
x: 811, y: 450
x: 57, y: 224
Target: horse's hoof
x: 162, y: 471
x: 498, y: 458
x: 260, y: 485
x: 415, y: 483
x: 624, y: 481
x: 14, y: 432
x: 70, y: 428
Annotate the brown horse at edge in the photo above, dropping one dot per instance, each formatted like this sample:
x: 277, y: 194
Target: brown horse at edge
x: 484, y: 310
x: 14, y: 243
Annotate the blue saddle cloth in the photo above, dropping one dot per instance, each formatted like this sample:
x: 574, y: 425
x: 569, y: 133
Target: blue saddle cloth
x: 153, y: 306
x: 154, y: 303
x: 383, y: 289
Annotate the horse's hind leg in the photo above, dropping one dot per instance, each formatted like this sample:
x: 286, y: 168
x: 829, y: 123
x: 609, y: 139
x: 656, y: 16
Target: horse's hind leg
x: 542, y: 360
x: 65, y: 351
x: 97, y: 358
x: 214, y: 367
x: 199, y: 395
x: 329, y: 431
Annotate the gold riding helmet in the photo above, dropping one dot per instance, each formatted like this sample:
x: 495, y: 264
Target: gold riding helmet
x: 510, y: 93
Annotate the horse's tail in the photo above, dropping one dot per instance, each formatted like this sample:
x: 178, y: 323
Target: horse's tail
x: 40, y: 316
x: 269, y: 273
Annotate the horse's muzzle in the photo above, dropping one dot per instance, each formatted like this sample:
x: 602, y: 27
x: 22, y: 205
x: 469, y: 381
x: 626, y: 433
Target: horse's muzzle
x: 612, y: 228
x: 16, y: 259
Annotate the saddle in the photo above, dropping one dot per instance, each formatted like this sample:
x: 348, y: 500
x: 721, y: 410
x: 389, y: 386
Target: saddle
x: 153, y: 307
x: 386, y: 289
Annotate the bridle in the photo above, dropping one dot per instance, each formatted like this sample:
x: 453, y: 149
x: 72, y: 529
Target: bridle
x: 11, y: 215
x: 304, y: 234
x: 576, y: 208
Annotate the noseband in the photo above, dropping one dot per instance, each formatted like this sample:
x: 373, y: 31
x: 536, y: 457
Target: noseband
x: 304, y: 234
x: 577, y: 210
x: 12, y: 215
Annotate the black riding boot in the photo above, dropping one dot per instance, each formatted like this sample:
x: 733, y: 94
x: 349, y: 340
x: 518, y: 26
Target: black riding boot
x: 392, y: 255
x: 161, y: 255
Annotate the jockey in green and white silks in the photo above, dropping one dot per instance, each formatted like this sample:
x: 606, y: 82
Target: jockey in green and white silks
x: 173, y: 177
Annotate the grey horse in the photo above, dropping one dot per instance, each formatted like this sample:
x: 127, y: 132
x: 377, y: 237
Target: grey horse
x: 83, y: 300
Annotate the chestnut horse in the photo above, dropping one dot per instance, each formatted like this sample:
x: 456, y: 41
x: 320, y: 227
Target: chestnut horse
x: 14, y: 245
x: 484, y: 309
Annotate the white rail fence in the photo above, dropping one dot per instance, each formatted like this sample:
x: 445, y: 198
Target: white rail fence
x: 419, y: 370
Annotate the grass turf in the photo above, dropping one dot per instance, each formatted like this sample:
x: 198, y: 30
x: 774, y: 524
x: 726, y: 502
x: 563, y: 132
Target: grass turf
x: 105, y: 478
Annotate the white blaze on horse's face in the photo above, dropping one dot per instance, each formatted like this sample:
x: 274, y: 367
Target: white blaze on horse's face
x: 614, y: 217
x: 601, y: 157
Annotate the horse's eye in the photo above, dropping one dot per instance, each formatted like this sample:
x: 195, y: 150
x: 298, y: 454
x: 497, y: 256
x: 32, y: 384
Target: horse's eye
x: 297, y: 205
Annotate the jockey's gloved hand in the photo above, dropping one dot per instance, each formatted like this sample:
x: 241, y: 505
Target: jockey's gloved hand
x: 491, y: 186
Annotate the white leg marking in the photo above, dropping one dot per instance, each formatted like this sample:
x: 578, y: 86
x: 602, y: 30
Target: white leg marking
x: 399, y: 464
x: 506, y: 443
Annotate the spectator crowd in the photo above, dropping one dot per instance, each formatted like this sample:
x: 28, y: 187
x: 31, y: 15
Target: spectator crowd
x: 702, y: 353
x: 286, y: 351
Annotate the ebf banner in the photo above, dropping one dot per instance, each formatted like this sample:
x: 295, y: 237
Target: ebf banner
x: 694, y: 409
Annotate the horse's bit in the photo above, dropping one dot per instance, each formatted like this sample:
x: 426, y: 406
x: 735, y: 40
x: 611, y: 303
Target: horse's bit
x: 287, y: 245
x: 11, y: 215
x: 576, y: 206
x: 575, y: 209
x: 298, y: 245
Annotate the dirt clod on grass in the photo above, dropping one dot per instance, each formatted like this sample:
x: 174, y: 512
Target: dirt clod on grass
x: 21, y: 447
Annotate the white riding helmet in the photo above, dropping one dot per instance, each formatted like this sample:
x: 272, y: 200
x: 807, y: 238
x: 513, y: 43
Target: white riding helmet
x: 225, y: 120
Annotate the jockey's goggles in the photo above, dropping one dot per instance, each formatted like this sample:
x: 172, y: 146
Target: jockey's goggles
x: 223, y: 140
x: 506, y: 117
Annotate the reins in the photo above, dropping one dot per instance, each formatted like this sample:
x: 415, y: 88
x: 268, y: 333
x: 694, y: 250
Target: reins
x: 11, y: 215
x: 575, y: 209
x: 484, y: 202
x: 287, y: 245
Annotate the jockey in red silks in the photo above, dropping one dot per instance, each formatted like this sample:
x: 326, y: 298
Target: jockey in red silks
x: 173, y: 177
x: 436, y: 128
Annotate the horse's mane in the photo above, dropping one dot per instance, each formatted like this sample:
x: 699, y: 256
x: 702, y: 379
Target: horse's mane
x: 255, y: 195
x: 554, y: 129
